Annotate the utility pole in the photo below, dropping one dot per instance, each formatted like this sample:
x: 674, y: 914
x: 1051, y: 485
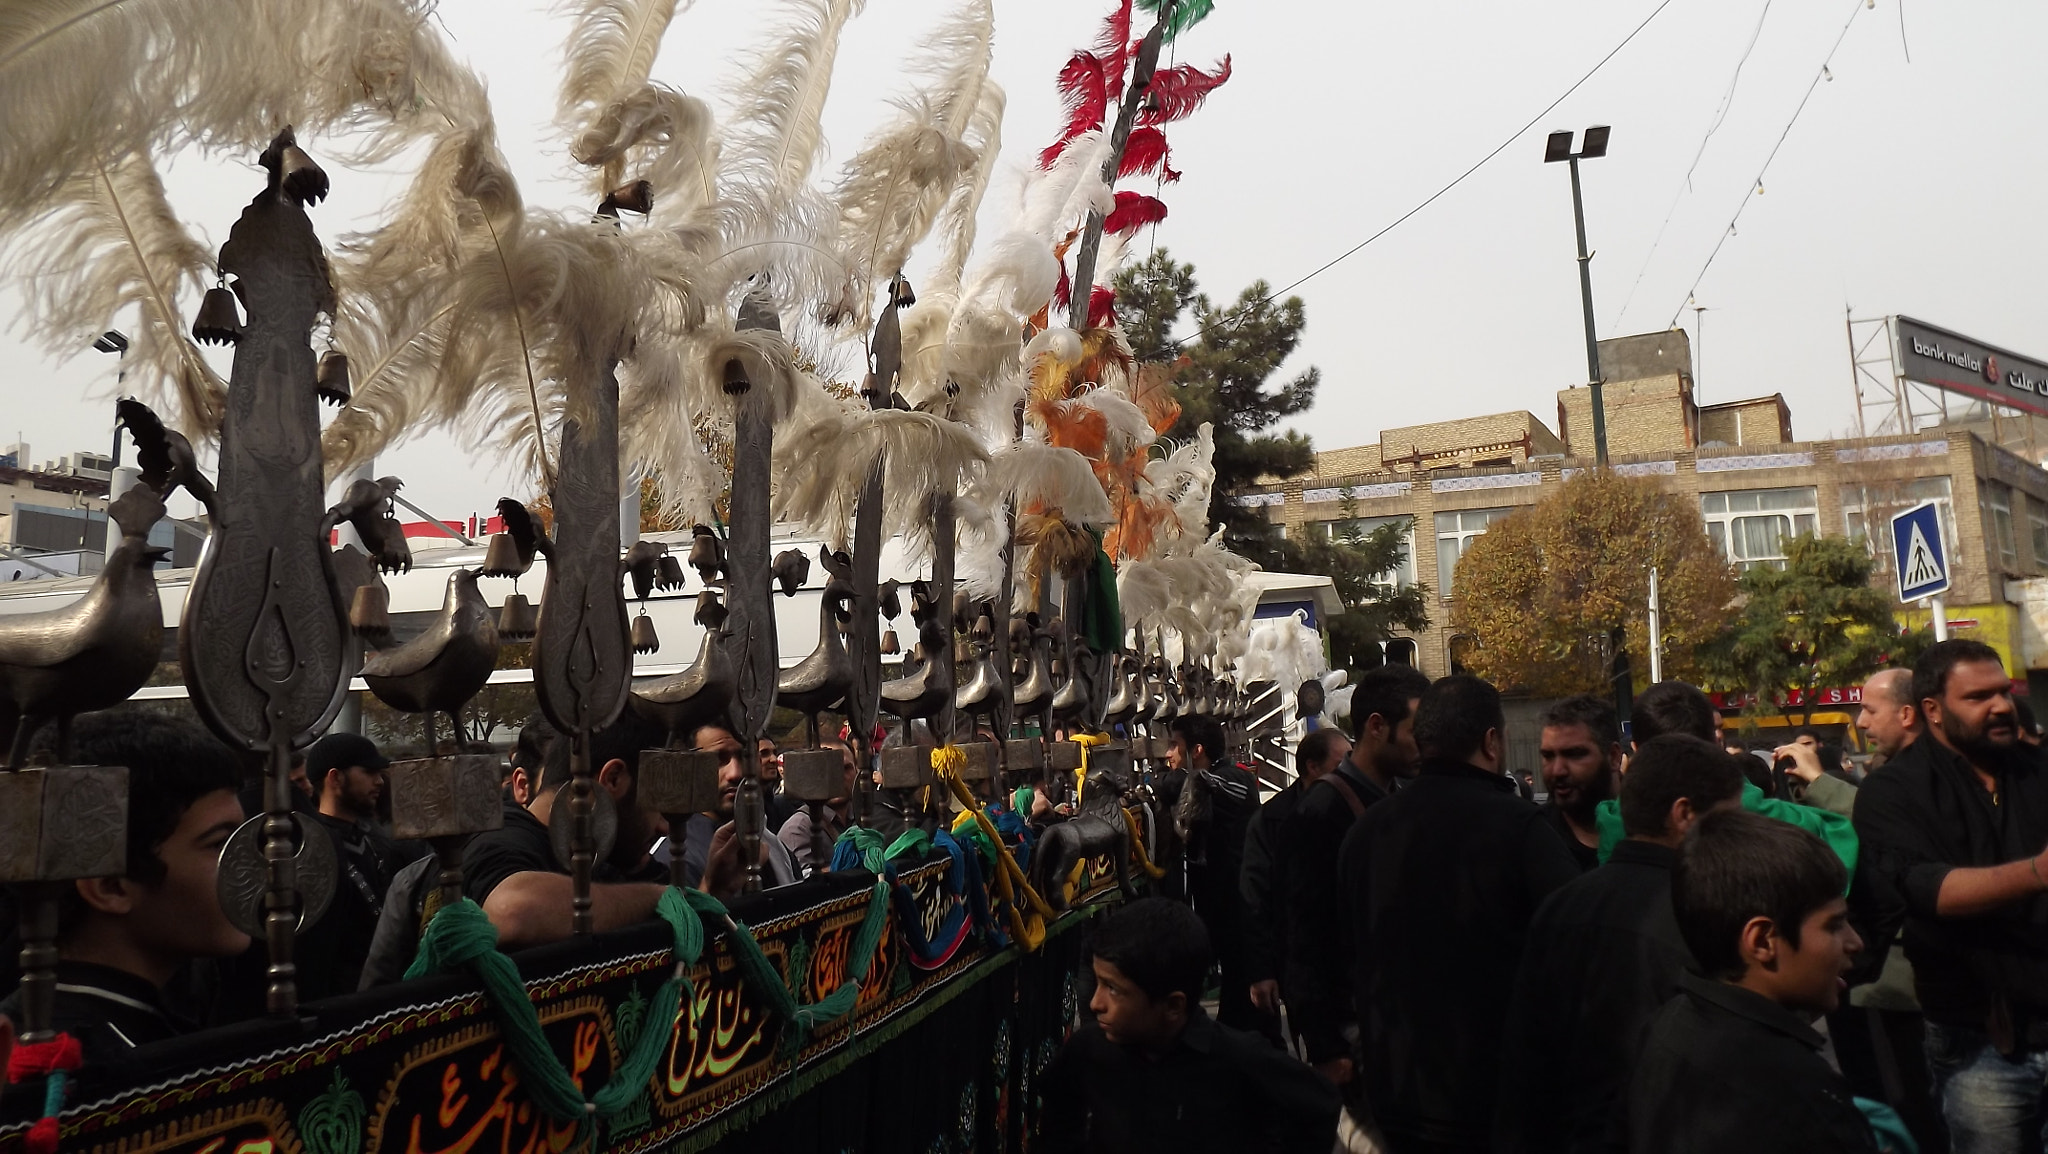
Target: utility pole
x: 1656, y: 632
x: 1559, y: 147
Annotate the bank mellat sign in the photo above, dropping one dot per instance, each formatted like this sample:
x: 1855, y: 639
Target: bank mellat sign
x: 1940, y: 358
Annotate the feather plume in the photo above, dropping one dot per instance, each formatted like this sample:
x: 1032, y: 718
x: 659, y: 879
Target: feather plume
x: 657, y: 135
x: 978, y: 563
x: 1016, y: 274
x: 658, y: 430
x: 108, y: 242
x: 1147, y: 152
x: 1058, y: 343
x: 957, y: 219
x: 894, y: 189
x: 1113, y: 47
x: 1084, y: 97
x: 1047, y: 478
x: 1054, y: 198
x: 1133, y: 211
x: 610, y: 52
x: 776, y: 138
x: 763, y: 354
x: 821, y: 470
x: 1184, y: 478
x: 1143, y: 592
x: 925, y: 326
x: 1127, y: 427
x: 1175, y: 93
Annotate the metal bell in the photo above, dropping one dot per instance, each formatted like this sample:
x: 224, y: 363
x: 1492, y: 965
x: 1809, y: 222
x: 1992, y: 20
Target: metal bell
x: 300, y: 178
x: 518, y: 620
x: 370, y: 613
x: 736, y: 381
x: 501, y: 557
x: 636, y: 197
x: 890, y: 645
x: 644, y: 640
x: 395, y: 532
x: 668, y: 573
x: 219, y: 321
x: 332, y: 378
x: 707, y: 556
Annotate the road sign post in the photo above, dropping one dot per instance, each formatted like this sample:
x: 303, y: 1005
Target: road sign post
x: 1921, y: 561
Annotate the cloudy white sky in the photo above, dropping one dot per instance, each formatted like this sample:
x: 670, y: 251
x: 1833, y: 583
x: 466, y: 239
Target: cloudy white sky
x: 1905, y: 187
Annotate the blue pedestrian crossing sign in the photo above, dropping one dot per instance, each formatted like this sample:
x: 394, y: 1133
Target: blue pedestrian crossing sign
x: 1922, y: 566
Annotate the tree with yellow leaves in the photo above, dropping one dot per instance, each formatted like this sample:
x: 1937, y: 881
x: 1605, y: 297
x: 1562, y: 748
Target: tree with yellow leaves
x: 1539, y: 593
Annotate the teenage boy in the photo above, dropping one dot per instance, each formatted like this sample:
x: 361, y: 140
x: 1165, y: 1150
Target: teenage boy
x: 1730, y: 1063
x: 1153, y: 1072
x: 121, y: 940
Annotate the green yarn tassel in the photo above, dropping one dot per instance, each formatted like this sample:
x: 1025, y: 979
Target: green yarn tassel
x: 1186, y: 14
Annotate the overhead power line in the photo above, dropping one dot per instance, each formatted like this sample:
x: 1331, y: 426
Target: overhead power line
x: 1432, y: 198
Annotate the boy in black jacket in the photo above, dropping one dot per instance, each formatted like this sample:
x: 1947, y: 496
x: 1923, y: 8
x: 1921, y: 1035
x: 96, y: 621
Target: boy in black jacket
x: 1730, y: 1063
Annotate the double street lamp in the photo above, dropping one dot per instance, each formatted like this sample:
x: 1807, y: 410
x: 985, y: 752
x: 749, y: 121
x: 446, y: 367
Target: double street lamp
x: 1593, y: 146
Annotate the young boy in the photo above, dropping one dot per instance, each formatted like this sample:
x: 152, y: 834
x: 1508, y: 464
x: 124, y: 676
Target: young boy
x: 1154, y: 1073
x: 1730, y: 1063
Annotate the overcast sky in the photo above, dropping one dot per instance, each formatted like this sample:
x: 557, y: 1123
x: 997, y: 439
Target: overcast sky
x: 1905, y: 187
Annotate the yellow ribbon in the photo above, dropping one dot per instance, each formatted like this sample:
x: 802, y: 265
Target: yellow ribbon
x: 947, y: 763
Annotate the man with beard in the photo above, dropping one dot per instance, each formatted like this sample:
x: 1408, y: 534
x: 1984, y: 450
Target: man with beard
x: 1581, y: 750
x: 710, y: 842
x: 1955, y: 825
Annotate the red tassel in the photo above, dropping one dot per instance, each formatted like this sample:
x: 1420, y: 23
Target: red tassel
x: 1147, y: 151
x: 1176, y: 92
x: 41, y: 1137
x: 1133, y: 212
x: 59, y: 1053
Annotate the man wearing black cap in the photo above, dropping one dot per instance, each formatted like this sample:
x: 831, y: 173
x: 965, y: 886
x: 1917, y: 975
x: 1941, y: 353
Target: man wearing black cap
x: 346, y: 772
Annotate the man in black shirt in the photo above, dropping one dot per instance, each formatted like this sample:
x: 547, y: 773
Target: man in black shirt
x: 1266, y: 912
x: 512, y: 871
x: 1151, y: 1073
x: 1316, y: 980
x: 1730, y: 1064
x: 1216, y: 862
x: 1440, y: 882
x: 120, y: 940
x: 348, y: 773
x: 1581, y: 750
x: 1954, y: 827
x: 1604, y: 953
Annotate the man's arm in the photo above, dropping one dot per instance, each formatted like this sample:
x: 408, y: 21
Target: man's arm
x: 1892, y: 824
x: 1968, y: 891
x: 534, y: 908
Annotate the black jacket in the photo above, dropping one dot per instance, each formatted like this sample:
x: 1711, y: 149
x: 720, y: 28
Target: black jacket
x: 1725, y: 1069
x: 1588, y: 856
x: 1265, y: 907
x: 1218, y: 1089
x: 1440, y: 883
x: 1314, y: 982
x: 1216, y: 855
x: 1603, y: 954
x: 109, y: 1011
x: 1926, y: 813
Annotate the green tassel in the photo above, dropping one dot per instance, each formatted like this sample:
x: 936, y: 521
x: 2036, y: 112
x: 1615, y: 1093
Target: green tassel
x: 1186, y: 14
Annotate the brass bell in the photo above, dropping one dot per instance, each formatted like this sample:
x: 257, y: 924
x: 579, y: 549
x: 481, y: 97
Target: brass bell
x: 890, y: 645
x: 518, y: 619
x: 644, y: 640
x: 501, y: 557
x: 635, y: 197
x: 706, y: 555
x: 332, y: 378
x: 300, y: 178
x: 219, y: 321
x: 369, y: 614
x: 395, y: 532
x: 900, y: 294
x: 736, y: 381
x: 669, y: 573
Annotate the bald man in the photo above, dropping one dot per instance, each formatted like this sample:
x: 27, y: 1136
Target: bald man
x: 1890, y: 717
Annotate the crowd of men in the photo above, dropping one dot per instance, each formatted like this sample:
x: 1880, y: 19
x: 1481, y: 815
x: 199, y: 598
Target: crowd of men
x: 1685, y: 947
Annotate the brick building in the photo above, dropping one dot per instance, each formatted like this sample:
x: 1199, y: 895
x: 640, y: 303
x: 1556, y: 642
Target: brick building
x: 1755, y: 485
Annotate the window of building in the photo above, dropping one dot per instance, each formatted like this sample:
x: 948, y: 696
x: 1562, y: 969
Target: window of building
x: 2037, y: 522
x: 1752, y: 525
x: 1867, y: 511
x: 1455, y: 533
x: 1358, y: 528
x: 1996, y: 501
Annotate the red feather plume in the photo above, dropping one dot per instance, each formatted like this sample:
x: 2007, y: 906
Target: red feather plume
x: 1176, y: 92
x: 1147, y: 151
x: 1114, y: 47
x: 1084, y: 97
x: 1133, y: 212
x: 1101, y: 307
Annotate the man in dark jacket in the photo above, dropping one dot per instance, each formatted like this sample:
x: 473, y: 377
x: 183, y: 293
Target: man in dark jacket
x: 1581, y: 749
x: 1604, y: 953
x: 1730, y: 1064
x: 1320, y: 752
x: 1439, y: 885
x: 1316, y: 983
x: 1954, y: 827
x: 1216, y: 860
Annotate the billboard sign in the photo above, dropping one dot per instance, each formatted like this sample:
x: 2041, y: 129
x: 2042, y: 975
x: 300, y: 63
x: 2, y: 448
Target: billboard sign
x: 1944, y: 360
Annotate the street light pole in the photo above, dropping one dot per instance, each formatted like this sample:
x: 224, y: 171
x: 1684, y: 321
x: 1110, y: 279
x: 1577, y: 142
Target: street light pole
x: 1559, y: 147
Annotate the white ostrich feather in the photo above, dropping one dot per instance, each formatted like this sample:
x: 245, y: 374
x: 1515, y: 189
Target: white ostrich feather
x: 1017, y: 274
x: 924, y: 326
x: 657, y: 135
x: 957, y: 221
x: 978, y: 562
x: 1035, y: 473
x: 108, y: 241
x: 1143, y: 591
x: 1129, y: 428
x: 822, y: 469
x: 1055, y: 199
x: 775, y: 137
x: 894, y: 188
x: 1185, y: 477
x: 1058, y: 342
x: 610, y: 52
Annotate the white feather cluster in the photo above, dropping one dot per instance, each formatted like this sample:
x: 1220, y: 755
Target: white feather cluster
x: 1035, y: 473
x: 822, y: 469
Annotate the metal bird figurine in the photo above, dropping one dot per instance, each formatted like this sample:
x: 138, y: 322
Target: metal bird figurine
x: 929, y: 688
x: 642, y: 563
x: 1031, y: 648
x: 92, y: 653
x: 524, y: 530
x: 165, y: 456
x: 701, y: 693
x: 368, y: 507
x: 791, y: 570
x: 819, y: 682
x: 442, y: 668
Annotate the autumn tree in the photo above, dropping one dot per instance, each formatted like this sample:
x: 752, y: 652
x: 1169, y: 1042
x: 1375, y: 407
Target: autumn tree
x: 1817, y: 623
x: 1539, y: 594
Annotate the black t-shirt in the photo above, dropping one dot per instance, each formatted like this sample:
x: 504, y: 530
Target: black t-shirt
x: 109, y: 1011
x: 521, y: 845
x: 1588, y: 856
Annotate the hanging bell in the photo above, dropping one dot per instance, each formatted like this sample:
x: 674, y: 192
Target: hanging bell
x: 369, y: 614
x: 518, y: 619
x: 668, y: 573
x: 219, y: 321
x: 890, y: 645
x: 736, y: 381
x: 332, y: 378
x: 635, y: 197
x: 302, y: 180
x: 644, y: 640
x: 501, y: 557
x: 706, y: 557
